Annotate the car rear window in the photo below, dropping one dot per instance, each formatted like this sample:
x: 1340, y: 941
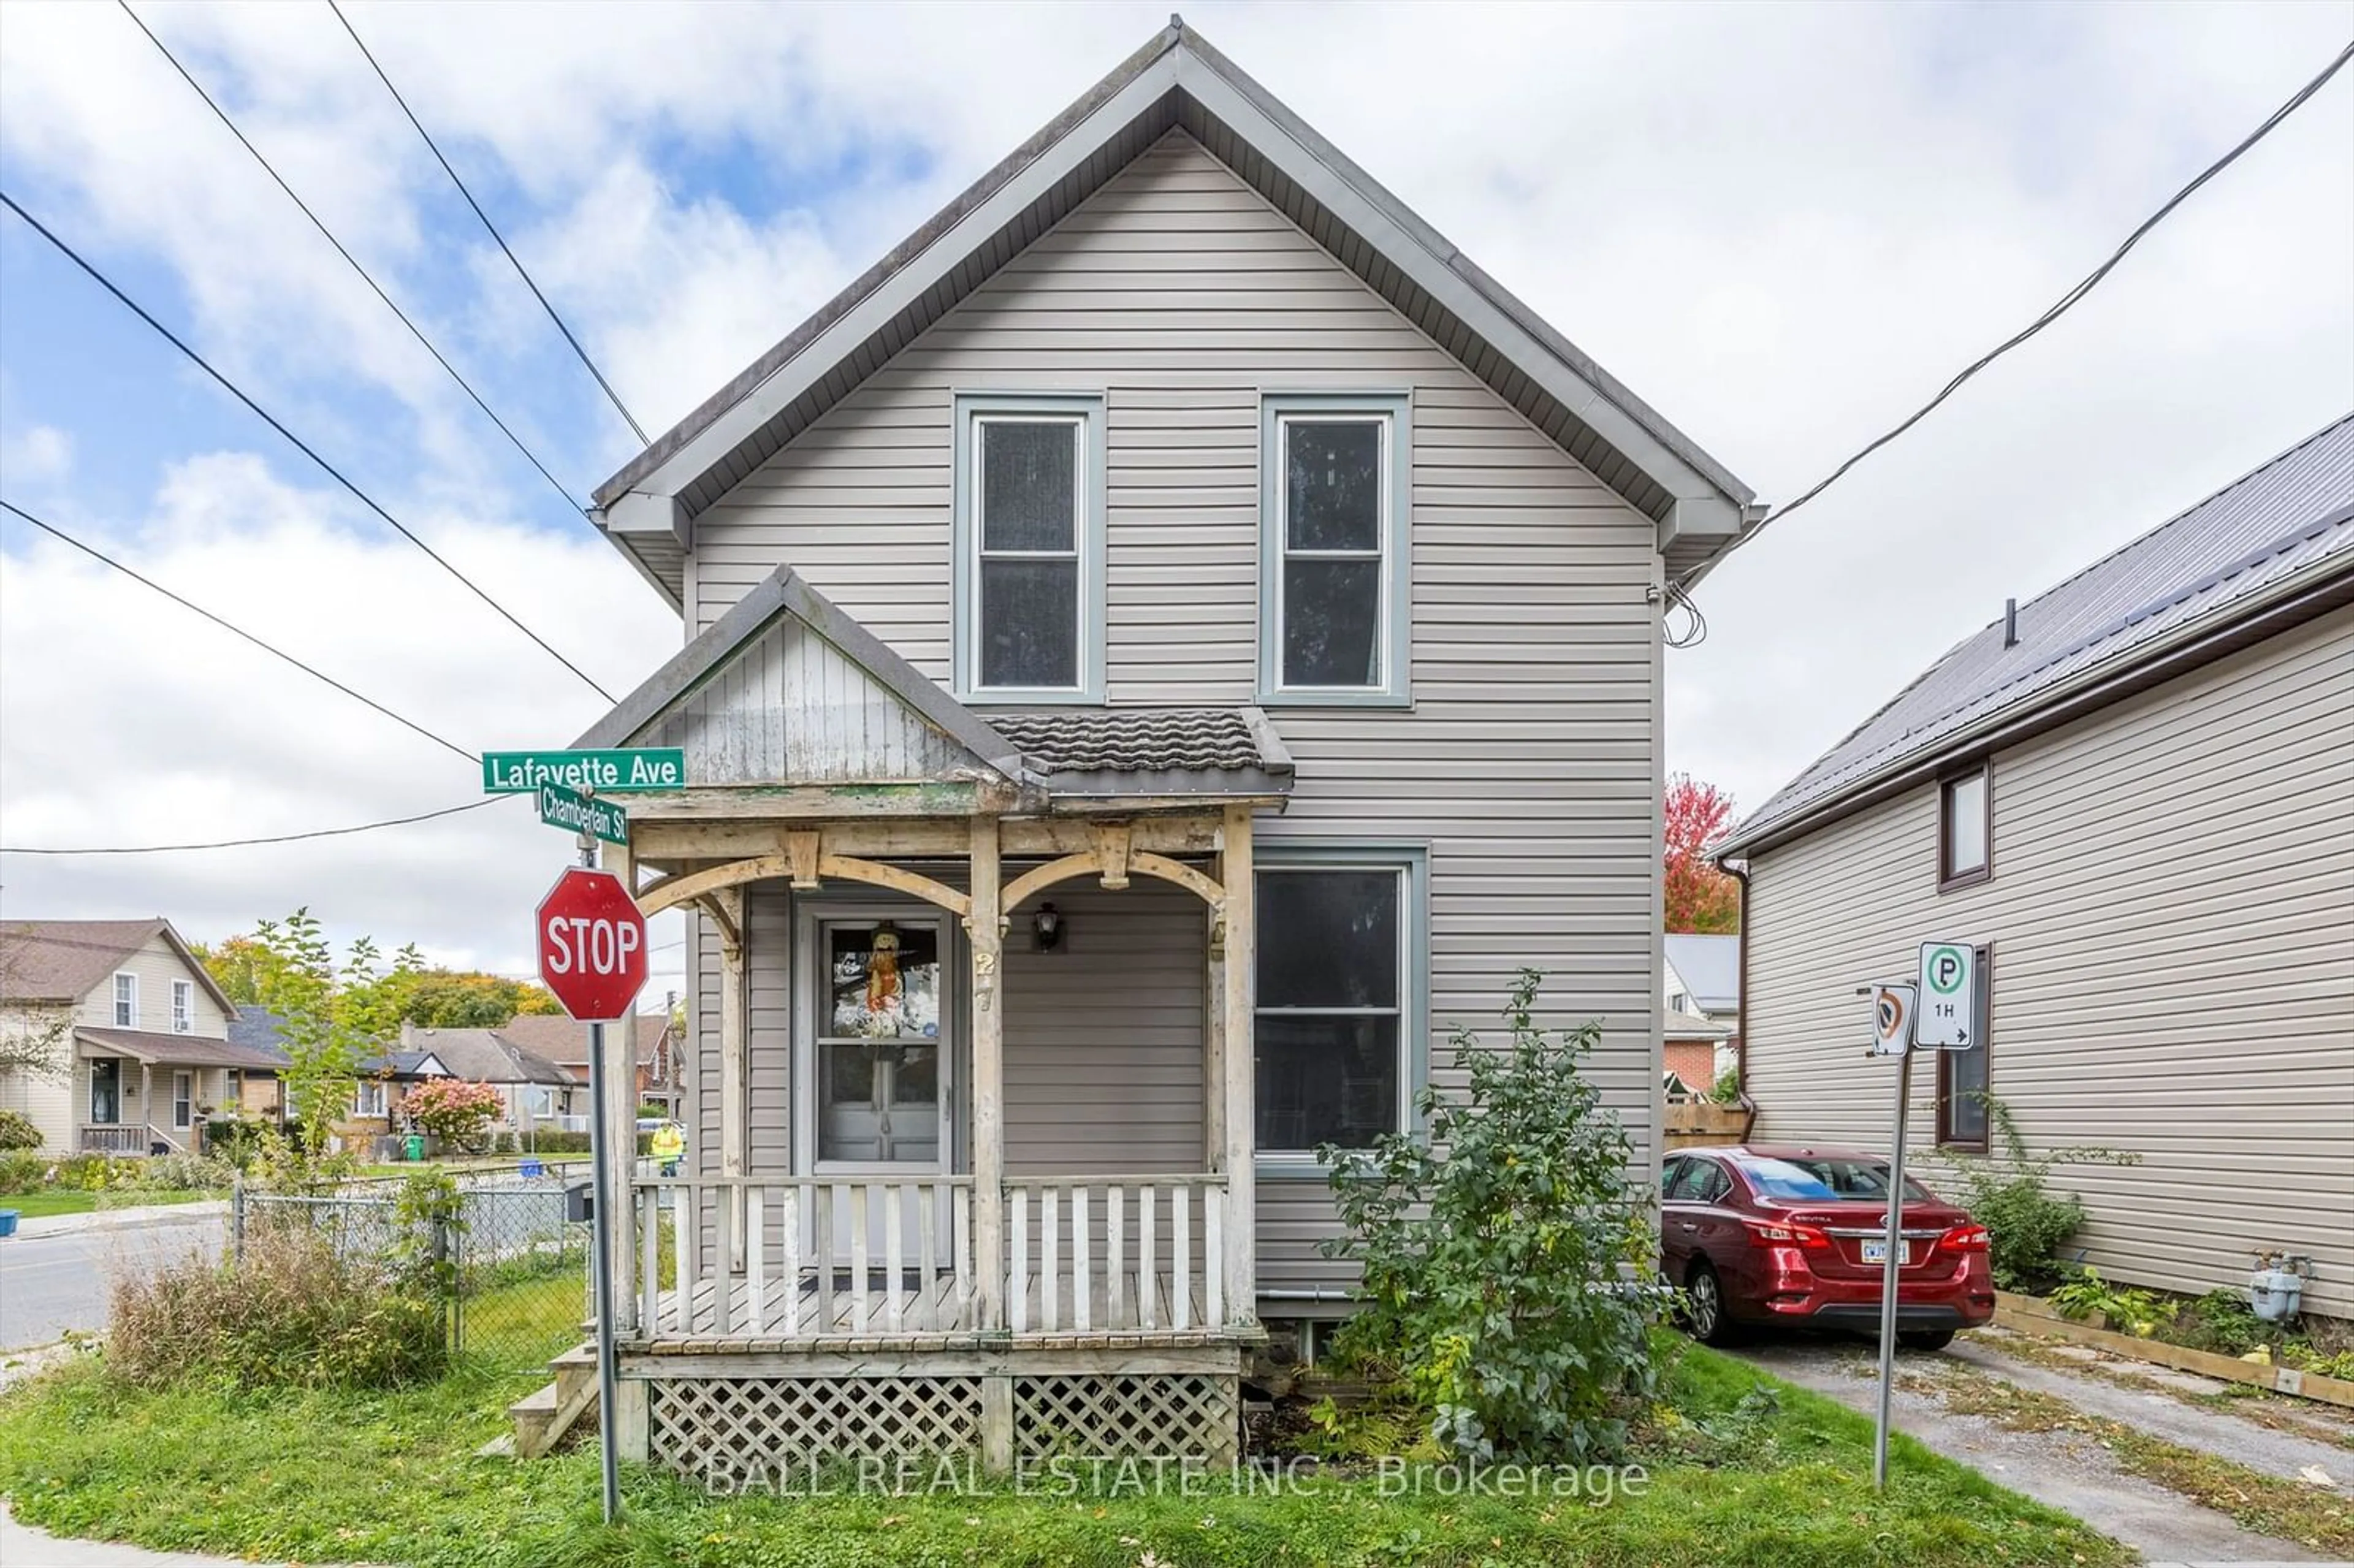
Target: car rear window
x: 1809, y: 1179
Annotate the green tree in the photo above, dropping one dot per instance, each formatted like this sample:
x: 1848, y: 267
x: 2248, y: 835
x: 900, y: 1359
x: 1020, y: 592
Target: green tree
x: 323, y: 1028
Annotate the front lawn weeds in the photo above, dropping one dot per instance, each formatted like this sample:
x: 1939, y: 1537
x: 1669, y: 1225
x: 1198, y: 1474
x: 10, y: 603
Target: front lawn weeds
x: 1743, y: 1472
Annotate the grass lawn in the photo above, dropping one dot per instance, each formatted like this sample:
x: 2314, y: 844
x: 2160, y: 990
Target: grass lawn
x: 60, y: 1201
x: 391, y: 1478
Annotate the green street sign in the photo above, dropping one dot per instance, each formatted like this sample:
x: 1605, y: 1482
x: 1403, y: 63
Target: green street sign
x: 562, y: 807
x: 607, y: 772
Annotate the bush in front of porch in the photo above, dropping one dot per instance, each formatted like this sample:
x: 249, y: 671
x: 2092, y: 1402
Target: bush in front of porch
x: 1510, y: 1278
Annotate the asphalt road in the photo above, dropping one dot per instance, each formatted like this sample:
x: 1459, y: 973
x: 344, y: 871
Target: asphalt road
x: 49, y: 1285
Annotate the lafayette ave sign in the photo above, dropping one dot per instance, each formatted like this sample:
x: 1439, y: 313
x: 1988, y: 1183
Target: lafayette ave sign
x: 606, y: 772
x: 562, y: 807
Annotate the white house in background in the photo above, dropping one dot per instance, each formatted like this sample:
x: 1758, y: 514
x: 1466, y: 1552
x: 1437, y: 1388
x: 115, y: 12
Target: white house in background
x: 1701, y: 987
x: 139, y: 1032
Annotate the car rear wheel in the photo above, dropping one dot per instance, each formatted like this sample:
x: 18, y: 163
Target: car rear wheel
x: 1927, y: 1338
x: 1704, y: 1307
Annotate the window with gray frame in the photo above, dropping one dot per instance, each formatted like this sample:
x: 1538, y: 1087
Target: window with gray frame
x: 1965, y: 829
x: 1029, y: 618
x: 1340, y: 1011
x: 1332, y: 549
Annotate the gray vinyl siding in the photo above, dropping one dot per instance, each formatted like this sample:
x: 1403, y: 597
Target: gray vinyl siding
x: 2172, y: 915
x: 1528, y: 762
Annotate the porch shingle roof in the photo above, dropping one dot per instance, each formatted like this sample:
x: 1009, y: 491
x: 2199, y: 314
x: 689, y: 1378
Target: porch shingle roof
x: 180, y: 1050
x: 1150, y: 750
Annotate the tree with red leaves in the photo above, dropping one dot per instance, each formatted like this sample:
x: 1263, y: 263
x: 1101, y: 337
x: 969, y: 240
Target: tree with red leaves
x: 1700, y: 897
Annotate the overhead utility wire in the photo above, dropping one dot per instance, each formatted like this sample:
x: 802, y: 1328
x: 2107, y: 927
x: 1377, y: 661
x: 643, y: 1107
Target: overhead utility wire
x: 273, y: 839
x: 612, y: 397
x: 2090, y: 282
x: 337, y: 474
x: 97, y: 554
x: 415, y: 331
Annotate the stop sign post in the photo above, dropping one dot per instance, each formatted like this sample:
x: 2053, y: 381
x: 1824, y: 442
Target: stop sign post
x: 593, y: 945
x: 592, y: 955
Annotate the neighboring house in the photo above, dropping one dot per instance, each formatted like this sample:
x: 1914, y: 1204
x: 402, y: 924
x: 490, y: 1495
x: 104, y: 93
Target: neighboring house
x: 1163, y: 648
x: 258, y: 1094
x: 2137, y: 800
x: 138, y: 1032
x: 1703, y: 995
x: 1694, y: 1051
x: 534, y: 1093
x: 566, y: 1044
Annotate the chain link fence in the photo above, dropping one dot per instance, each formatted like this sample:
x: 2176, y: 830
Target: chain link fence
x: 515, y: 1268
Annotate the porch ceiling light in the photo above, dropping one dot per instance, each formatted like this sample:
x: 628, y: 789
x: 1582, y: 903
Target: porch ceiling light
x: 1047, y: 925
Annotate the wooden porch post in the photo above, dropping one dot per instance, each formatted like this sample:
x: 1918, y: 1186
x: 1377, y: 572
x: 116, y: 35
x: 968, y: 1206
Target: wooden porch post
x: 1241, y: 995
x: 735, y: 1060
x: 988, y: 1080
x: 1214, y: 1044
x: 146, y: 1101
x: 621, y: 1113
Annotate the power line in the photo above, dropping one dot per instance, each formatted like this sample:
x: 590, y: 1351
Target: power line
x: 337, y: 474
x: 2089, y: 283
x: 612, y: 397
x: 274, y: 839
x: 414, y: 330
x: 57, y: 532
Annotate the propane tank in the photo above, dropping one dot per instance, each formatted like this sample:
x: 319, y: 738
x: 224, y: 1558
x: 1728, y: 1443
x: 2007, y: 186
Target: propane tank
x: 2276, y: 1287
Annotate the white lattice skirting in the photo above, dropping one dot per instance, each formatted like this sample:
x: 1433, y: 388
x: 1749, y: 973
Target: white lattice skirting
x: 696, y: 1423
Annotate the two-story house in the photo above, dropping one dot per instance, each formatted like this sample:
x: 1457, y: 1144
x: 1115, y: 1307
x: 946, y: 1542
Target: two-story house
x: 2134, y: 795
x: 1164, y: 647
x: 134, y: 1032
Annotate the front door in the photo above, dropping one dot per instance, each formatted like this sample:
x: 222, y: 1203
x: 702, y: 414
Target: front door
x: 880, y: 1091
x: 105, y: 1090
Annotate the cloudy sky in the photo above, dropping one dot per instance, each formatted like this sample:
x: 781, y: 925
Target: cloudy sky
x: 1782, y: 225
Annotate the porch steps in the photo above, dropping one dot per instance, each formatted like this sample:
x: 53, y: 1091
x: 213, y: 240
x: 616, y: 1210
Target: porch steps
x: 543, y: 1416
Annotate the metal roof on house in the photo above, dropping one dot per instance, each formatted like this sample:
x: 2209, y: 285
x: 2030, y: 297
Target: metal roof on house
x: 181, y: 1050
x: 1150, y: 750
x: 1177, y: 82
x: 1710, y: 967
x: 2277, y: 533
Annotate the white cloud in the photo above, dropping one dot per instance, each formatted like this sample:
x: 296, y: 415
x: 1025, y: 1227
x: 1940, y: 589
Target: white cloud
x: 39, y: 455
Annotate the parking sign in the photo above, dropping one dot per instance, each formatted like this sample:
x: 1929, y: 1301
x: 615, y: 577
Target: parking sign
x: 1948, y: 1016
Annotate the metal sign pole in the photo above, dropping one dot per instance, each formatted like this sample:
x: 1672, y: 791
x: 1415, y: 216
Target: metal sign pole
x: 1888, y: 1267
x: 600, y: 1255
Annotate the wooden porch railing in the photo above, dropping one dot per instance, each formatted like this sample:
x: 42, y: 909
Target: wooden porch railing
x: 124, y: 1137
x: 833, y: 1258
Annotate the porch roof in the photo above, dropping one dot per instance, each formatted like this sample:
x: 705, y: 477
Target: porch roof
x: 179, y: 1050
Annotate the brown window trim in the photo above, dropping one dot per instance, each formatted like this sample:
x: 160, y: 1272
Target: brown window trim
x: 1949, y: 880
x: 1947, y: 1138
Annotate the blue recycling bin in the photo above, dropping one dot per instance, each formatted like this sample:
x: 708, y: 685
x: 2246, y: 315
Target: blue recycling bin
x: 8, y: 1221
x: 532, y: 1167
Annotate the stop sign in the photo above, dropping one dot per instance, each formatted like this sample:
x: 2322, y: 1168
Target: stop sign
x: 593, y: 945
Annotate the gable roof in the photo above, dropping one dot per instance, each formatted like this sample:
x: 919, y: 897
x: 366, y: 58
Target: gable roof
x: 1710, y: 967
x: 2272, y: 547
x: 62, y: 961
x: 1176, y: 81
x: 480, y: 1056
x: 565, y: 1041
x: 257, y: 1028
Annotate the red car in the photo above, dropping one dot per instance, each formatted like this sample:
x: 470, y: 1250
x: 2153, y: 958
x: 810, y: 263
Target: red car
x: 1778, y: 1234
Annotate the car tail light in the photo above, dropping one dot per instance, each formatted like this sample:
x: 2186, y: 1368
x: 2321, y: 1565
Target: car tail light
x: 1767, y: 1233
x: 1963, y: 1238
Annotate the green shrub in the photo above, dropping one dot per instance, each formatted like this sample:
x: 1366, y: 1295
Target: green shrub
x: 560, y: 1143
x: 184, y: 1173
x: 292, y: 1314
x: 1508, y: 1275
x: 17, y: 1132
x: 2127, y: 1310
x: 2025, y: 1223
x: 237, y: 1138
x: 22, y: 1170
x: 2221, y: 1322
x: 97, y: 1172
x: 1727, y: 1089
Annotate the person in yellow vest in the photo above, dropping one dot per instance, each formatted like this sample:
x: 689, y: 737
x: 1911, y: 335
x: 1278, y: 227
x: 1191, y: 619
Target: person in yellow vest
x: 668, y: 1145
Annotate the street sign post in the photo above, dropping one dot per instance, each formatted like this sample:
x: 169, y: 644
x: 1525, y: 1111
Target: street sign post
x: 1892, y: 1019
x: 1949, y: 996
x: 592, y: 955
x: 562, y: 807
x: 1896, y: 1020
x: 648, y: 768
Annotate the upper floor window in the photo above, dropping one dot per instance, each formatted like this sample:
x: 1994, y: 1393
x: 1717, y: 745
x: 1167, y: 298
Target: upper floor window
x: 126, y: 1001
x: 1028, y: 540
x: 1332, y: 548
x: 184, y: 1007
x: 1965, y: 829
x: 1338, y: 1030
